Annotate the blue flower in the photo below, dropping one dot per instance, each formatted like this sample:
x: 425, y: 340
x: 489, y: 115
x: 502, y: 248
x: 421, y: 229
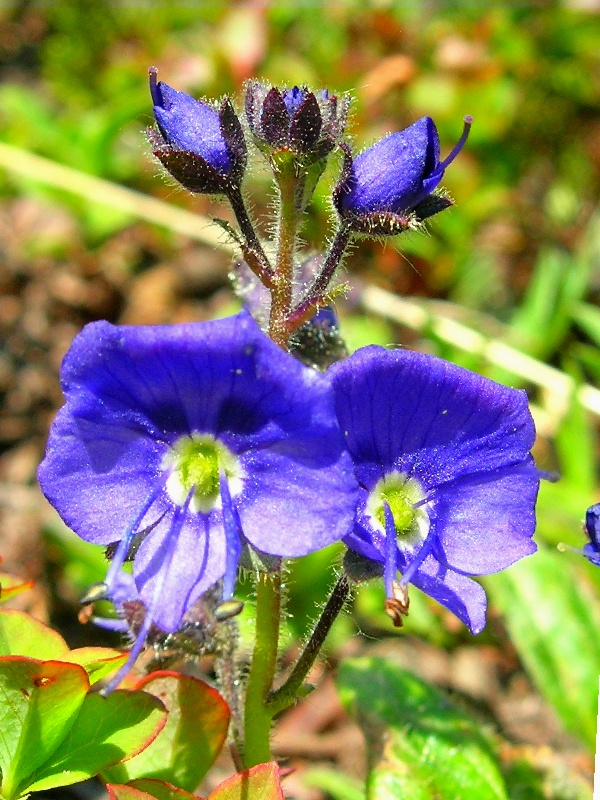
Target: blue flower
x: 183, y: 443
x: 395, y: 176
x: 202, y: 147
x: 448, y: 487
x: 592, y: 527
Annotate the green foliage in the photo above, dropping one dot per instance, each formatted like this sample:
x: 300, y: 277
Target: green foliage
x: 552, y: 611
x: 420, y: 747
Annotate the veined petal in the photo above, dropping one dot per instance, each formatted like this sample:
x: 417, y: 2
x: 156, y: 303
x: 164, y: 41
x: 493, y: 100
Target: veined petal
x: 426, y: 417
x: 197, y: 562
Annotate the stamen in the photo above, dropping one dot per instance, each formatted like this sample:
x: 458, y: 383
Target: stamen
x: 391, y: 548
x: 419, y: 558
x: 138, y: 645
x: 233, y: 529
x: 468, y: 121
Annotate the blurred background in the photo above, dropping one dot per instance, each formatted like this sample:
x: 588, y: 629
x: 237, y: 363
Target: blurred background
x: 507, y: 282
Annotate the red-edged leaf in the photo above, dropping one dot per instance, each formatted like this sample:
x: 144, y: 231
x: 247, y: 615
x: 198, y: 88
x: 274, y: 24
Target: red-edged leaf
x: 118, y: 791
x: 39, y: 703
x: 192, y: 738
x: 22, y: 635
x: 10, y: 586
x: 162, y: 790
x: 98, y: 662
x: 258, y: 783
x: 107, y: 730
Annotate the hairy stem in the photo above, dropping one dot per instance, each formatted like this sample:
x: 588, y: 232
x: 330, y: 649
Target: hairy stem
x: 290, y: 190
x: 257, y: 715
x: 315, y: 295
x: 287, y: 694
x: 252, y: 249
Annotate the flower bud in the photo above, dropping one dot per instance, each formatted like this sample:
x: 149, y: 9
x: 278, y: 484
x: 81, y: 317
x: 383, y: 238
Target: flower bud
x: 201, y: 146
x: 388, y: 187
x: 305, y: 123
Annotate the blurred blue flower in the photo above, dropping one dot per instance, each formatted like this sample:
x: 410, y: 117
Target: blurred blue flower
x: 182, y: 443
x: 448, y: 487
x: 592, y: 527
x: 397, y: 173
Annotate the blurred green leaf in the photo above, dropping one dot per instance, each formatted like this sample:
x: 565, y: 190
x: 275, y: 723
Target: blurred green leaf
x: 337, y: 785
x: 553, y: 617
x: 419, y: 746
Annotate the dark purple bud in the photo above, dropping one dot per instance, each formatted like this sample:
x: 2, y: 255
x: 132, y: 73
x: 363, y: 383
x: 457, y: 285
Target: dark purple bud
x: 274, y: 119
x: 305, y: 123
x: 396, y: 176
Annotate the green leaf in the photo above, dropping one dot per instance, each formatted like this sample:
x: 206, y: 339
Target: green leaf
x: 162, y: 790
x: 39, y: 703
x: 553, y: 616
x: 192, y: 738
x: 107, y: 730
x: 258, y: 783
x: 420, y: 747
x: 22, y: 635
x: 98, y: 662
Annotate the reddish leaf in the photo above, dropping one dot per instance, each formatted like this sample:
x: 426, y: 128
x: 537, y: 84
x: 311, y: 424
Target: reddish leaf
x: 107, y: 730
x: 98, y: 662
x: 39, y: 703
x: 118, y: 791
x: 258, y: 783
x: 10, y: 586
x: 22, y: 635
x: 192, y: 738
x: 162, y: 790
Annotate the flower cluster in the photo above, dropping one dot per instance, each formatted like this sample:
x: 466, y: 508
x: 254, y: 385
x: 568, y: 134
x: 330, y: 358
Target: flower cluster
x: 191, y: 449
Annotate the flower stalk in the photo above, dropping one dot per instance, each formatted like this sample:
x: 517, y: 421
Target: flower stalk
x: 258, y: 715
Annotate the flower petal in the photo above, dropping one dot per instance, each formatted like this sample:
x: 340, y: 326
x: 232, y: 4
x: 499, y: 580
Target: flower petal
x: 426, y: 417
x: 483, y: 527
x: 462, y: 596
x: 197, y: 562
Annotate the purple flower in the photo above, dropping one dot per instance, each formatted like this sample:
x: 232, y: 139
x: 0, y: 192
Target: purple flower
x: 202, y: 147
x: 183, y: 443
x: 448, y: 487
x: 395, y: 177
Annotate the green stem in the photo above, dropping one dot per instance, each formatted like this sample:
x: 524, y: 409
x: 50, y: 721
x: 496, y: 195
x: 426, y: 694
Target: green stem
x: 288, y: 693
x: 288, y: 184
x: 257, y: 715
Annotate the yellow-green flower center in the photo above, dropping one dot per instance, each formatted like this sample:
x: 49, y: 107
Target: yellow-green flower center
x: 196, y: 463
x: 403, y: 496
